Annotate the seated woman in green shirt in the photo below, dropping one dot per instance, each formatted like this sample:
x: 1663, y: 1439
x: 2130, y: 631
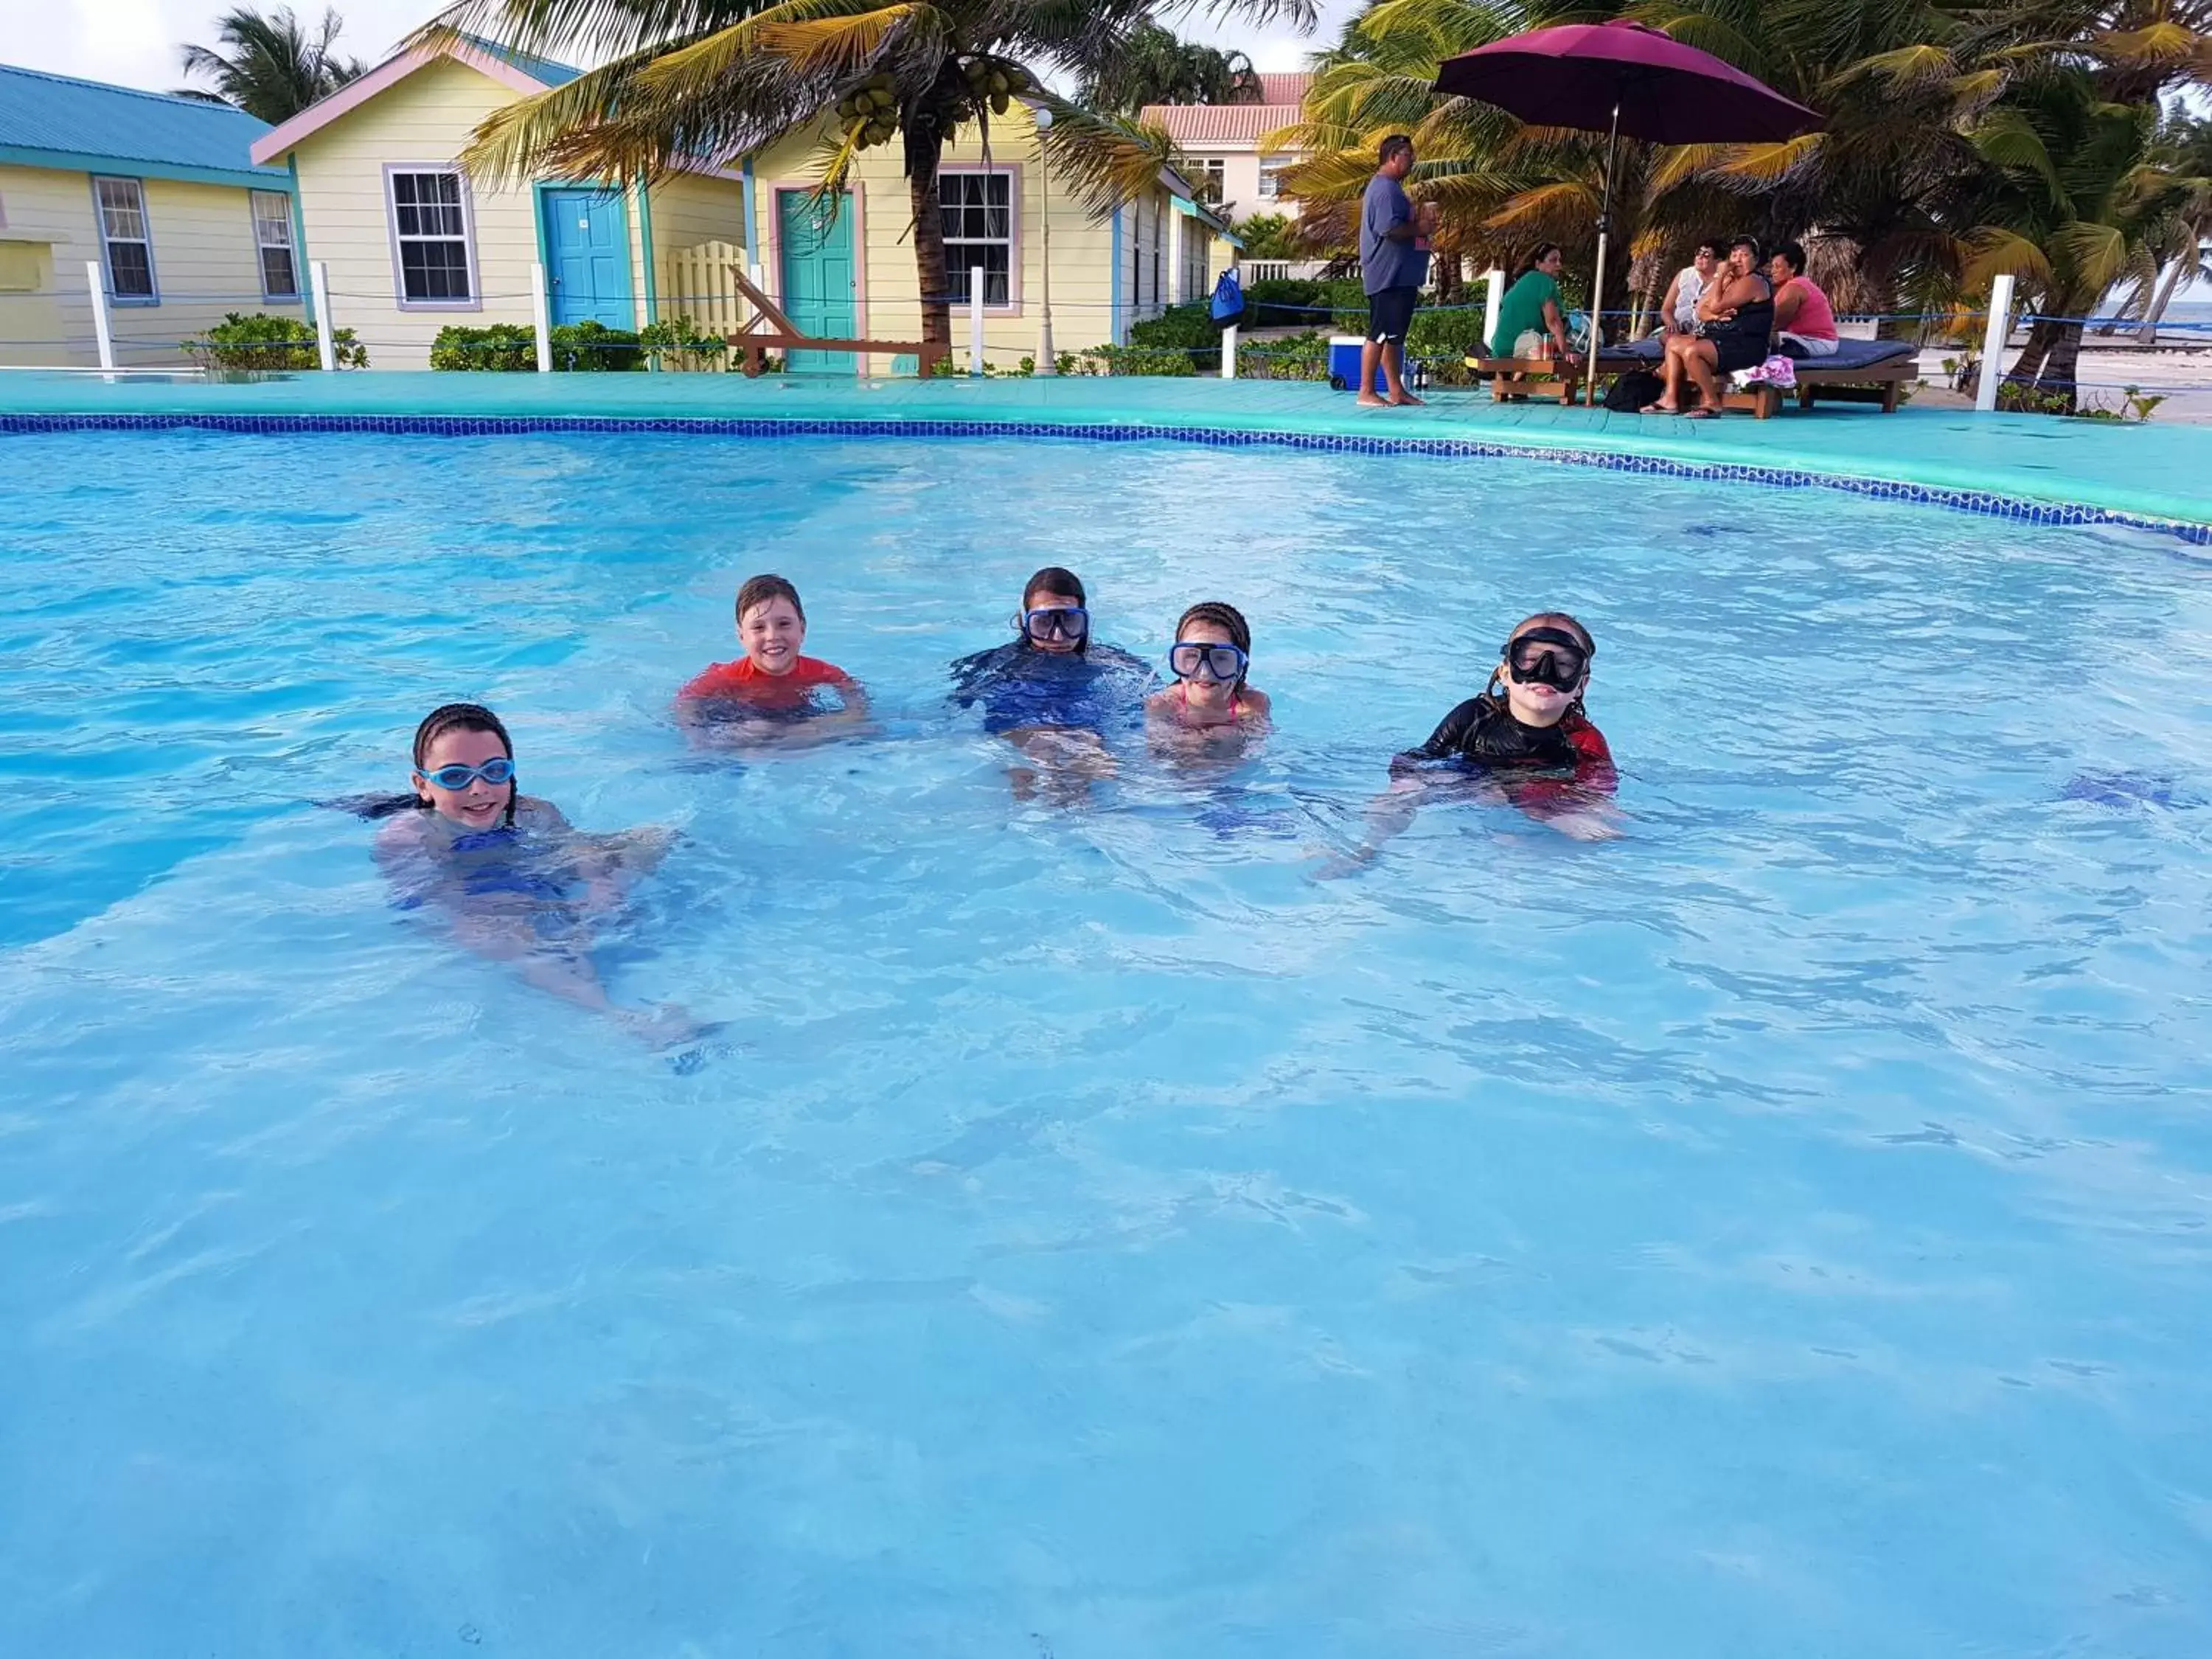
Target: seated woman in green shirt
x: 1531, y: 311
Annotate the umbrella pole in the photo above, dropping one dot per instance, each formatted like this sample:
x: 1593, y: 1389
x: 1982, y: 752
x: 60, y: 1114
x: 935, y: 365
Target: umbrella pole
x: 1597, y: 279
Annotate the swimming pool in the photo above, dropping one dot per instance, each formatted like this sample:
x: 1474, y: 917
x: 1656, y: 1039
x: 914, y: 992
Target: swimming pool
x: 1783, y: 1230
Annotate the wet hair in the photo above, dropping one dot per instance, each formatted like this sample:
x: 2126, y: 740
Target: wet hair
x: 1794, y: 252
x: 1053, y: 578
x: 1565, y: 625
x: 1747, y: 241
x: 446, y: 717
x: 1538, y: 254
x: 762, y: 590
x: 1223, y: 616
x: 1393, y: 145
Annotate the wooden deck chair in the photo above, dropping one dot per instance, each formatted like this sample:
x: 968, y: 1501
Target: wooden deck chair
x: 770, y: 330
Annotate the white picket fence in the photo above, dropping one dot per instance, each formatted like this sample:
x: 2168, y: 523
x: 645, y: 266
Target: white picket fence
x: 697, y: 282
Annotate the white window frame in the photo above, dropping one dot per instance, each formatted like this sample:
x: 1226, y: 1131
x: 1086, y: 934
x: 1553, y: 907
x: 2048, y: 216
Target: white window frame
x: 1270, y: 177
x: 1012, y: 175
x: 468, y: 238
x: 254, y: 198
x: 1213, y: 170
x: 144, y: 239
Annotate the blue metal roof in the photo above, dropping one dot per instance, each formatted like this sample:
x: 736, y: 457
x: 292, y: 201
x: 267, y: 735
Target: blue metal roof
x: 538, y: 69
x: 51, y: 120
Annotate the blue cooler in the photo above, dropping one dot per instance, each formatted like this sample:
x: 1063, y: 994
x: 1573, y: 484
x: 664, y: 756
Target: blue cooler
x: 1344, y: 365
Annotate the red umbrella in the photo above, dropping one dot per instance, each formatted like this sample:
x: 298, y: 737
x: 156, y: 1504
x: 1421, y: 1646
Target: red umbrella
x: 1621, y: 77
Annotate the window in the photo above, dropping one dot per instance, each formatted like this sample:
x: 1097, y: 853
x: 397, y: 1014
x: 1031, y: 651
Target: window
x: 430, y: 237
x: 1211, y: 180
x: 273, y: 235
x: 977, y: 212
x: 1270, y: 179
x: 124, y: 241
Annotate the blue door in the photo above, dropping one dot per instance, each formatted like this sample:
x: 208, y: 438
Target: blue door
x: 588, y: 255
x: 819, y: 280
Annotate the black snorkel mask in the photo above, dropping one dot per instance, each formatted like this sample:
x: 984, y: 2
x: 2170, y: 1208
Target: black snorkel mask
x: 1547, y: 656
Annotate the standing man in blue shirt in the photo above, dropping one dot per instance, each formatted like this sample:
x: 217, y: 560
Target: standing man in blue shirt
x: 1394, y: 261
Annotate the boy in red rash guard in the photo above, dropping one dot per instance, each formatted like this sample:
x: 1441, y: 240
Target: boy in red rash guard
x: 1526, y: 740
x: 762, y: 695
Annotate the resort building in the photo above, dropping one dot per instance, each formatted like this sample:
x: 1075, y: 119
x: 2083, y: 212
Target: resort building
x: 161, y: 193
x: 1227, y: 147
x: 1002, y: 212
x: 413, y: 245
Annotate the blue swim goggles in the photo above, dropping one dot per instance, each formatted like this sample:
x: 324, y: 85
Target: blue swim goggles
x: 493, y: 772
x: 1069, y: 621
x: 1220, y: 660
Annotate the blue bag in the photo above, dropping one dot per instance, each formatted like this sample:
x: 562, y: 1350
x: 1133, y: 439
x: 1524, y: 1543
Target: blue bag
x: 1228, y: 301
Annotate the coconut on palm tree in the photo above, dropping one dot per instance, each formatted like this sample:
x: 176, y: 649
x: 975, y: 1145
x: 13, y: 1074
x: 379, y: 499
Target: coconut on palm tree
x: 270, y: 64
x: 683, y: 79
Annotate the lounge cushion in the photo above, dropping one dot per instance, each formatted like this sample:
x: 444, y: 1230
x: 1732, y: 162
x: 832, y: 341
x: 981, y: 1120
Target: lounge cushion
x: 1850, y: 354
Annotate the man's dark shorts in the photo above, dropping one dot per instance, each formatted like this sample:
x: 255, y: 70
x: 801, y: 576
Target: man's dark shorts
x: 1390, y: 312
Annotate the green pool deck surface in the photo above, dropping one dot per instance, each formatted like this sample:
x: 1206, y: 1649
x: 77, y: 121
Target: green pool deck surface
x: 2146, y: 470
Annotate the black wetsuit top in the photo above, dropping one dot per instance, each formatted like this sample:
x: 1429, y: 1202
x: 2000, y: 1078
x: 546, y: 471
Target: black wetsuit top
x: 1482, y: 729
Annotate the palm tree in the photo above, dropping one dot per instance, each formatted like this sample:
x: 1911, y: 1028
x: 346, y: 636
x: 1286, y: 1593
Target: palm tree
x: 2073, y: 201
x: 724, y: 78
x: 2183, y: 148
x: 1158, y: 68
x: 272, y: 69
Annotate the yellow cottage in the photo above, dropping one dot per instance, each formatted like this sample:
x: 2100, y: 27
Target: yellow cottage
x: 412, y: 245
x: 159, y: 196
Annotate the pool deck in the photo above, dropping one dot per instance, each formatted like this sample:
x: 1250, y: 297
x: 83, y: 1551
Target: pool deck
x: 2149, y: 472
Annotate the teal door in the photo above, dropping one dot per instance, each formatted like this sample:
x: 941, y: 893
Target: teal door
x: 588, y: 255
x: 820, y: 283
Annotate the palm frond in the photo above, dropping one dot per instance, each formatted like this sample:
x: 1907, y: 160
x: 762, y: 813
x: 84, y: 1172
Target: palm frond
x: 1104, y: 160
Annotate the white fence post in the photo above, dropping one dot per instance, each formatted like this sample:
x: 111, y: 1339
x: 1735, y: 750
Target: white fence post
x: 1493, y: 281
x: 975, y: 320
x: 100, y: 313
x: 542, y: 314
x: 1994, y: 343
x: 1229, y: 352
x: 319, y: 280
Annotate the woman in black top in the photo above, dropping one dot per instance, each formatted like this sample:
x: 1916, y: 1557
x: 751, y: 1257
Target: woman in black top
x: 1735, y: 318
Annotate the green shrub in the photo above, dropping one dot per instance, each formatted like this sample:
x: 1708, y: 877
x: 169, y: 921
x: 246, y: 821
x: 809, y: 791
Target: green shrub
x: 1139, y: 359
x: 1296, y: 358
x: 263, y: 342
x: 590, y: 347
x: 1187, y: 332
x: 1284, y: 302
x: 500, y: 347
x: 678, y: 342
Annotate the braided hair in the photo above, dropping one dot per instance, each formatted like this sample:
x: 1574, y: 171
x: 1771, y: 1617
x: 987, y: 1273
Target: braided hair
x: 446, y: 717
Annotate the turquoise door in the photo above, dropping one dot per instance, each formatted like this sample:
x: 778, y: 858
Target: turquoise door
x: 820, y: 283
x: 588, y: 255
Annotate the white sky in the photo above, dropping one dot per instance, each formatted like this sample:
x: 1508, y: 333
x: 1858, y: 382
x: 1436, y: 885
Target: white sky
x: 134, y: 43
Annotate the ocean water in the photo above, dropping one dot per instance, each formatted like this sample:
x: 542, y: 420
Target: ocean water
x: 1782, y: 1229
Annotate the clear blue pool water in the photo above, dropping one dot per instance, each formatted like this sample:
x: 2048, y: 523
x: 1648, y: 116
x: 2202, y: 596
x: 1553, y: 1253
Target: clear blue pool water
x: 1781, y: 1231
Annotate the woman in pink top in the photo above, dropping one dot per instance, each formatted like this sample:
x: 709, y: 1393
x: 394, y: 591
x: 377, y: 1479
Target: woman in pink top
x: 1802, y: 316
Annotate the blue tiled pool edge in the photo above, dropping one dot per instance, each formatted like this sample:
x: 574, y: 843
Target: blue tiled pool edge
x: 1989, y: 503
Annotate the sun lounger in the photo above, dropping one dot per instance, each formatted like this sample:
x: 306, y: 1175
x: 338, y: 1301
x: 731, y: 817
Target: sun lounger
x: 1861, y: 371
x: 769, y: 330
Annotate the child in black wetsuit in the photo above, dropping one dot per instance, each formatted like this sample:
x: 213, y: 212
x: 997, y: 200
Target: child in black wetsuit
x: 1526, y: 740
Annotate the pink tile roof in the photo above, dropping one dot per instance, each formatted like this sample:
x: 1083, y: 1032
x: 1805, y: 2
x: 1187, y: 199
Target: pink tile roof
x: 1235, y: 125
x: 1279, y: 88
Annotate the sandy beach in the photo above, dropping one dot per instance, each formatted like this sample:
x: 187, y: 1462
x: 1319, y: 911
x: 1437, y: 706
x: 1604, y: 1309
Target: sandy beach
x: 2182, y: 374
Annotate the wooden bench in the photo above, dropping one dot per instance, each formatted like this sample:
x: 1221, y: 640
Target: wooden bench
x: 1509, y: 382
x: 1883, y: 383
x: 782, y: 334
